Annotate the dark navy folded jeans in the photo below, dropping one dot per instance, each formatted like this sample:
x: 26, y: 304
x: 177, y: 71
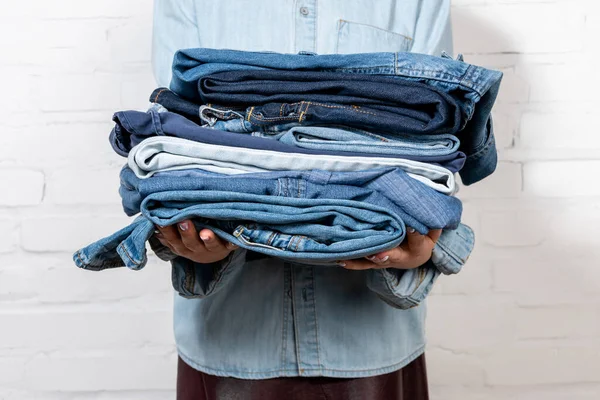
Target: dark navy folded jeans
x: 377, y: 102
x: 131, y: 127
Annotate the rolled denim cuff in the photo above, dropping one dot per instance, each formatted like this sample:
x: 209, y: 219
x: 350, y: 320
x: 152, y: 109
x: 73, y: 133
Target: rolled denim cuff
x: 452, y: 249
x: 193, y: 280
x: 403, y: 289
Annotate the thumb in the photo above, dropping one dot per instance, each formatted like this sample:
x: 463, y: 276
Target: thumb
x: 414, y: 239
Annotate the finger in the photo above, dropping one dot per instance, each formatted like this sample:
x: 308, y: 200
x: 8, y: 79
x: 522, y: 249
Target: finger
x: 434, y: 235
x: 399, y: 257
x: 211, y: 242
x: 171, y: 236
x: 169, y: 233
x: 415, y: 241
x: 358, y: 265
x: 381, y: 258
x: 189, y: 236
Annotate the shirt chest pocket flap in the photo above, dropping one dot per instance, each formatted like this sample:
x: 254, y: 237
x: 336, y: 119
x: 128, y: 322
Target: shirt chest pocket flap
x: 354, y: 37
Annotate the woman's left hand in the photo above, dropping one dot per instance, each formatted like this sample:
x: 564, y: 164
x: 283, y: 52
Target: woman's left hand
x: 412, y: 253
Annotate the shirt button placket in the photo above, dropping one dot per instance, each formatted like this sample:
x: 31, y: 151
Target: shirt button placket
x: 306, y: 26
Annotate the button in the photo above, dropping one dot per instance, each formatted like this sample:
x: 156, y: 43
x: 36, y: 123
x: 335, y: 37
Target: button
x: 304, y: 11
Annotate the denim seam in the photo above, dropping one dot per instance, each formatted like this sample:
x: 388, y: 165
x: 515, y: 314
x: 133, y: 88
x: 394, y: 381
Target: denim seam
x: 451, y: 255
x: 122, y: 246
x: 284, y: 319
x: 158, y: 95
x: 156, y: 123
x: 84, y: 265
x: 312, y: 277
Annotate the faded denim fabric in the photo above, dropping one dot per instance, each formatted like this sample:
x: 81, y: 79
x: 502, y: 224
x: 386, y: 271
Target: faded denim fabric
x: 163, y: 154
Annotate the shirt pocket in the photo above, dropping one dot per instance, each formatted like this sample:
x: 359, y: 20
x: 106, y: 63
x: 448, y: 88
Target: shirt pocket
x: 354, y: 37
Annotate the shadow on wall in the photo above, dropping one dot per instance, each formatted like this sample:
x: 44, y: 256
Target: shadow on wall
x: 523, y: 227
x: 533, y: 276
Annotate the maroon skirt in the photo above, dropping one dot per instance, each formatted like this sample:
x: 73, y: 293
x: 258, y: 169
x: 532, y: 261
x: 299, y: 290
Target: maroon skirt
x: 408, y: 383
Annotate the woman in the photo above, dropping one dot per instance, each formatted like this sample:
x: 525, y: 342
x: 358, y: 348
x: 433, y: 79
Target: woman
x: 268, y: 329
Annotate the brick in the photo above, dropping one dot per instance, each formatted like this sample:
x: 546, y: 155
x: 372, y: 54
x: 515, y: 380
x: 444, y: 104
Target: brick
x: 552, y: 322
x: 73, y: 92
x: 67, y: 234
x: 557, y: 131
x: 528, y: 364
x: 81, y: 145
x: 130, y: 370
x: 13, y: 394
x: 558, y: 82
x: 69, y: 9
x: 89, y: 186
x: 506, y: 181
x: 474, y: 278
x: 136, y: 89
x: 561, y: 178
x: 448, y: 368
x: 24, y: 93
x: 490, y: 319
x: 566, y: 279
x: 82, y: 330
x: 59, y: 281
x: 8, y: 235
x: 514, y: 228
x: 503, y: 27
x: 22, y: 187
x: 135, y: 30
x: 547, y: 392
x: 514, y: 88
x: 505, y: 121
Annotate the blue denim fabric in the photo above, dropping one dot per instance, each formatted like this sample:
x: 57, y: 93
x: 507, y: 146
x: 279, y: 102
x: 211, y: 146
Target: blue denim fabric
x: 419, y: 206
x: 131, y: 127
x: 311, y: 217
x: 468, y: 84
x: 163, y: 154
x: 431, y: 148
x: 292, y: 325
x: 374, y: 102
x: 337, y: 139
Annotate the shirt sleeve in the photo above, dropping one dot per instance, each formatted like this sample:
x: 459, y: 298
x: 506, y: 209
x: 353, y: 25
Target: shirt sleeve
x: 174, y: 28
x: 433, y: 31
x: 407, y: 288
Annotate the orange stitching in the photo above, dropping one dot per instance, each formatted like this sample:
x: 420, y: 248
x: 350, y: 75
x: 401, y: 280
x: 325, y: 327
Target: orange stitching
x: 158, y: 94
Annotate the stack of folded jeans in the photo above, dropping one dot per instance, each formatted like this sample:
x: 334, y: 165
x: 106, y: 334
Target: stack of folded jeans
x: 309, y: 158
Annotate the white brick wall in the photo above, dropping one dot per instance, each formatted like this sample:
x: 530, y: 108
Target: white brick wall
x: 521, y: 322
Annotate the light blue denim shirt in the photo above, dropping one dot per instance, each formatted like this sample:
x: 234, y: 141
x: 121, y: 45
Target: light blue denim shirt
x: 253, y: 318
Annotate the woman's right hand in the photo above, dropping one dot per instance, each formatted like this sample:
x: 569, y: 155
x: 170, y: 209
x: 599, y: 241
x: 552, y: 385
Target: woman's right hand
x: 203, y: 247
